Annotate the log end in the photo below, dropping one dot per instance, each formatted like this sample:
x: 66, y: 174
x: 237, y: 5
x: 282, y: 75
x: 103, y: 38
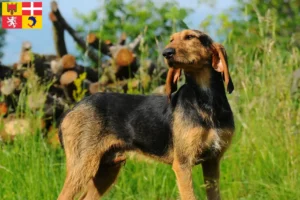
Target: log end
x: 3, y: 108
x: 52, y: 17
x: 7, y: 87
x: 91, y: 38
x: 124, y: 57
x: 108, y: 43
x: 68, y: 77
x: 13, y: 127
x: 54, y: 6
x: 26, y: 46
x: 56, y: 66
x: 68, y: 61
x: 94, y: 87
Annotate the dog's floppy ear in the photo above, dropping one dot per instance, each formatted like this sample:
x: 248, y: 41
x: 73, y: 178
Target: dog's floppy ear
x: 220, y: 64
x: 171, y: 82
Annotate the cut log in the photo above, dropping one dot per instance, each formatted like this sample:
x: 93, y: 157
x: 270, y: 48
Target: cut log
x: 26, y: 46
x: 124, y: 57
x: 5, y: 72
x: 68, y: 77
x: 135, y: 43
x: 7, y: 87
x: 3, y: 109
x: 56, y: 90
x: 43, y: 70
x: 56, y: 66
x: 13, y: 127
x: 68, y: 61
x: 94, y: 42
x: 123, y: 39
x: 25, y: 56
x: 94, y: 88
x: 28, y: 56
x: 67, y: 81
x: 126, y: 72
x: 108, y: 43
x: 92, y: 55
x: 58, y: 36
x: 91, y: 74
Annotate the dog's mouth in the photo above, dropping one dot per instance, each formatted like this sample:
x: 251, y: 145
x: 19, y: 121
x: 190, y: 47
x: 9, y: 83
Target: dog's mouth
x: 179, y: 62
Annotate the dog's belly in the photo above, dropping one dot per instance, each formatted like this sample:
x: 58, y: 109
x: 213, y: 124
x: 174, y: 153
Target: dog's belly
x: 152, y: 138
x: 150, y: 127
x: 142, y: 122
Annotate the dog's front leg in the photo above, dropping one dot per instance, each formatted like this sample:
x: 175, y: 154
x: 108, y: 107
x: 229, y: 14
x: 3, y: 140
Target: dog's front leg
x: 211, y: 173
x: 183, y: 174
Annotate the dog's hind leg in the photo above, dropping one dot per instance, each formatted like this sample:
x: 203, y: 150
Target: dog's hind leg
x: 102, y: 182
x: 84, y: 144
x: 111, y: 164
x: 79, y: 175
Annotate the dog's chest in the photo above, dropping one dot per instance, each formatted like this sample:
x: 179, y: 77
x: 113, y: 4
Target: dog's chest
x: 194, y: 133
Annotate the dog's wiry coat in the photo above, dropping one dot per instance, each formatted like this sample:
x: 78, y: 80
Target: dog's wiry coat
x: 194, y: 126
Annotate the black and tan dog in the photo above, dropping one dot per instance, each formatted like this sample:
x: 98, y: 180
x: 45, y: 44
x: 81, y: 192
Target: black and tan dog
x: 195, y: 125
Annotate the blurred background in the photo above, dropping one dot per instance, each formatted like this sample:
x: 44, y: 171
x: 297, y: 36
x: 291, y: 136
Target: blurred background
x: 45, y: 45
x: 115, y: 46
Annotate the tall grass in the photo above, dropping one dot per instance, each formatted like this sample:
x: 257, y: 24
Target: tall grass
x: 262, y: 163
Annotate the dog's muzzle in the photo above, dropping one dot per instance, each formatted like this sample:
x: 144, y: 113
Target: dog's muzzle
x: 168, y: 53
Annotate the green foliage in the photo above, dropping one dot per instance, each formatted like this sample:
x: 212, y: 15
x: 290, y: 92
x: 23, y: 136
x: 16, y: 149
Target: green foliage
x: 2, y: 32
x: 276, y: 20
x: 79, y: 93
x: 285, y: 17
x: 133, y: 17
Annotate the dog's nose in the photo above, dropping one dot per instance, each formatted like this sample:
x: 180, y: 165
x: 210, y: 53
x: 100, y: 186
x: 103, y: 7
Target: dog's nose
x: 169, y: 52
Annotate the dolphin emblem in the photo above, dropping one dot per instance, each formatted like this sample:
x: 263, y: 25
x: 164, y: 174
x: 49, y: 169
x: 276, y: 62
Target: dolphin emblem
x: 33, y: 19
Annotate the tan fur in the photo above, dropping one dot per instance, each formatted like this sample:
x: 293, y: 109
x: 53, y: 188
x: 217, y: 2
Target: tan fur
x: 191, y: 140
x: 84, y: 148
x: 189, y: 56
x: 184, y: 179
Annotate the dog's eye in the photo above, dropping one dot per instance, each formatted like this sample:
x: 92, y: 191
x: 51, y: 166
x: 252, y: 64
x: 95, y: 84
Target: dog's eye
x: 188, y: 37
x: 171, y: 40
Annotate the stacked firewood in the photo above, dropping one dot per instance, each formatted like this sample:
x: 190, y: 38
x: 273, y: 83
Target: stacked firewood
x: 53, y: 83
x: 122, y: 65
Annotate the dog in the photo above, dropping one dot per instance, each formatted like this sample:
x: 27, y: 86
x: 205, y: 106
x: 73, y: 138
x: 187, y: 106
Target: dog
x: 192, y: 126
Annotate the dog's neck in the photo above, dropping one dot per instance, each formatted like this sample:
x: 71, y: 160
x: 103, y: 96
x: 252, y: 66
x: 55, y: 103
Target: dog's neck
x: 206, y: 80
x: 201, y: 78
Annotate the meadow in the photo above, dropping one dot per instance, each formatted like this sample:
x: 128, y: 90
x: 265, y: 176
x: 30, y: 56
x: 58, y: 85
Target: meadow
x: 263, y: 161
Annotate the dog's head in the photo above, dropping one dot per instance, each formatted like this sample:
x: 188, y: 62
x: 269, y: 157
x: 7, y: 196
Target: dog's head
x: 192, y: 50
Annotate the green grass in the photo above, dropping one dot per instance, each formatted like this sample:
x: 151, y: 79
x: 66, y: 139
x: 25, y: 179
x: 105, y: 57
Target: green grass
x: 263, y: 161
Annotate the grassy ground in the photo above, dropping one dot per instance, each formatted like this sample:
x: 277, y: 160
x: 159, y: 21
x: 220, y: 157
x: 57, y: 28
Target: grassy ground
x: 262, y: 163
